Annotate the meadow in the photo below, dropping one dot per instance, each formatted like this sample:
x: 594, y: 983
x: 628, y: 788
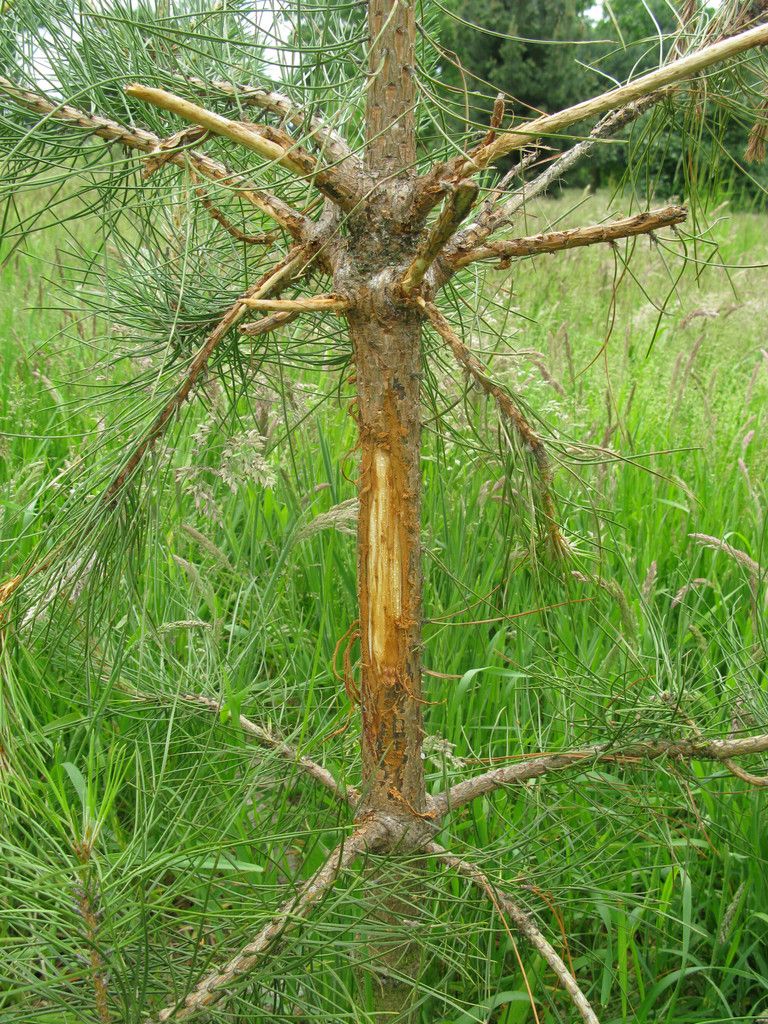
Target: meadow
x: 140, y: 830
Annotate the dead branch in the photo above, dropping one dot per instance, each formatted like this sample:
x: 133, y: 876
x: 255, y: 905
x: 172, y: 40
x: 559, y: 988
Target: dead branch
x: 147, y: 142
x: 368, y: 836
x: 316, y: 771
x: 555, y: 241
x: 457, y: 205
x: 315, y: 304
x: 267, y: 324
x: 494, y: 217
x: 506, y: 905
x: 292, y: 266
x: 271, y: 144
x: 655, y: 81
x: 331, y: 144
x: 636, y: 754
x: 220, y: 218
x: 528, y: 437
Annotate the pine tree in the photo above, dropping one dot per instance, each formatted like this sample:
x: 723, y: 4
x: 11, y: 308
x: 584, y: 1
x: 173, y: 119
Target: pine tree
x: 232, y: 211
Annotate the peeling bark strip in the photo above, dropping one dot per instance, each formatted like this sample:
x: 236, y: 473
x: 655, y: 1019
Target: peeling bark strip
x: 388, y: 367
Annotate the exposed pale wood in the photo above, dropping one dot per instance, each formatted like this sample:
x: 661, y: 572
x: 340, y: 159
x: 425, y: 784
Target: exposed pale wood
x: 662, y: 78
x: 268, y: 143
x: 317, y: 303
x: 267, y: 324
x: 556, y: 241
x: 151, y: 144
x: 329, y: 141
x: 457, y: 205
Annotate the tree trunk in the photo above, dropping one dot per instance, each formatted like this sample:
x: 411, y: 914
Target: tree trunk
x: 386, y: 335
x: 388, y: 367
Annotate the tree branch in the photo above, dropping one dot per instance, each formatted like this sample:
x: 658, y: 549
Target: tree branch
x: 267, y: 324
x: 495, y: 217
x: 555, y: 241
x: 147, y: 142
x: 368, y: 836
x: 276, y: 278
x: 278, y: 147
x: 660, y: 79
x: 529, y: 439
x: 505, y: 905
x: 634, y: 754
x: 457, y: 206
x: 316, y: 771
x: 316, y: 303
x: 332, y: 145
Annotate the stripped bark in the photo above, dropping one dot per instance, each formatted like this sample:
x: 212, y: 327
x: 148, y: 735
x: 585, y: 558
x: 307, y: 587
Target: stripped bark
x: 331, y: 144
x: 147, y: 142
x: 273, y: 145
x: 662, y: 78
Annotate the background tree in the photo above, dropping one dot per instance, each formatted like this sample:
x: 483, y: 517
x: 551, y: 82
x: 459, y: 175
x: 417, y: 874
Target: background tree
x: 230, y: 214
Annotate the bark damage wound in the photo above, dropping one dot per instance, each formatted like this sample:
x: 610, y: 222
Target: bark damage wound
x: 387, y: 351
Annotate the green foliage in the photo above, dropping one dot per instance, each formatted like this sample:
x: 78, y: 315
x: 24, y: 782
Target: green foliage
x: 197, y: 834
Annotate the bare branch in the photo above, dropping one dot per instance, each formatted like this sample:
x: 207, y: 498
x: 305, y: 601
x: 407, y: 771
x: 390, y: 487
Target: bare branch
x: 457, y: 205
x: 527, y: 435
x: 634, y: 754
x: 271, y: 144
x: 263, y: 736
x: 368, y: 836
x: 316, y: 303
x: 331, y: 144
x: 152, y: 145
x: 267, y: 324
x: 555, y: 241
x: 655, y: 81
x: 292, y: 266
x: 506, y: 905
x: 220, y: 218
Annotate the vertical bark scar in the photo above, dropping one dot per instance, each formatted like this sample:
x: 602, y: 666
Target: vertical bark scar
x: 385, y: 569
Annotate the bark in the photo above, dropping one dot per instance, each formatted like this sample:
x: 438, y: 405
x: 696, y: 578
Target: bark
x: 388, y: 367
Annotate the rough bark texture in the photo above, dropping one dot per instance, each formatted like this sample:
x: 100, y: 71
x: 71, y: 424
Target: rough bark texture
x: 388, y: 358
x: 390, y: 110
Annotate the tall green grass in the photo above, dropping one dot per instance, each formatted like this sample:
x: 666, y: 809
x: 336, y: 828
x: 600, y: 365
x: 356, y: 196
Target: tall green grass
x: 657, y: 876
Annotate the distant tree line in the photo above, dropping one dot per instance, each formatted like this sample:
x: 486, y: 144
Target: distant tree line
x: 548, y: 54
